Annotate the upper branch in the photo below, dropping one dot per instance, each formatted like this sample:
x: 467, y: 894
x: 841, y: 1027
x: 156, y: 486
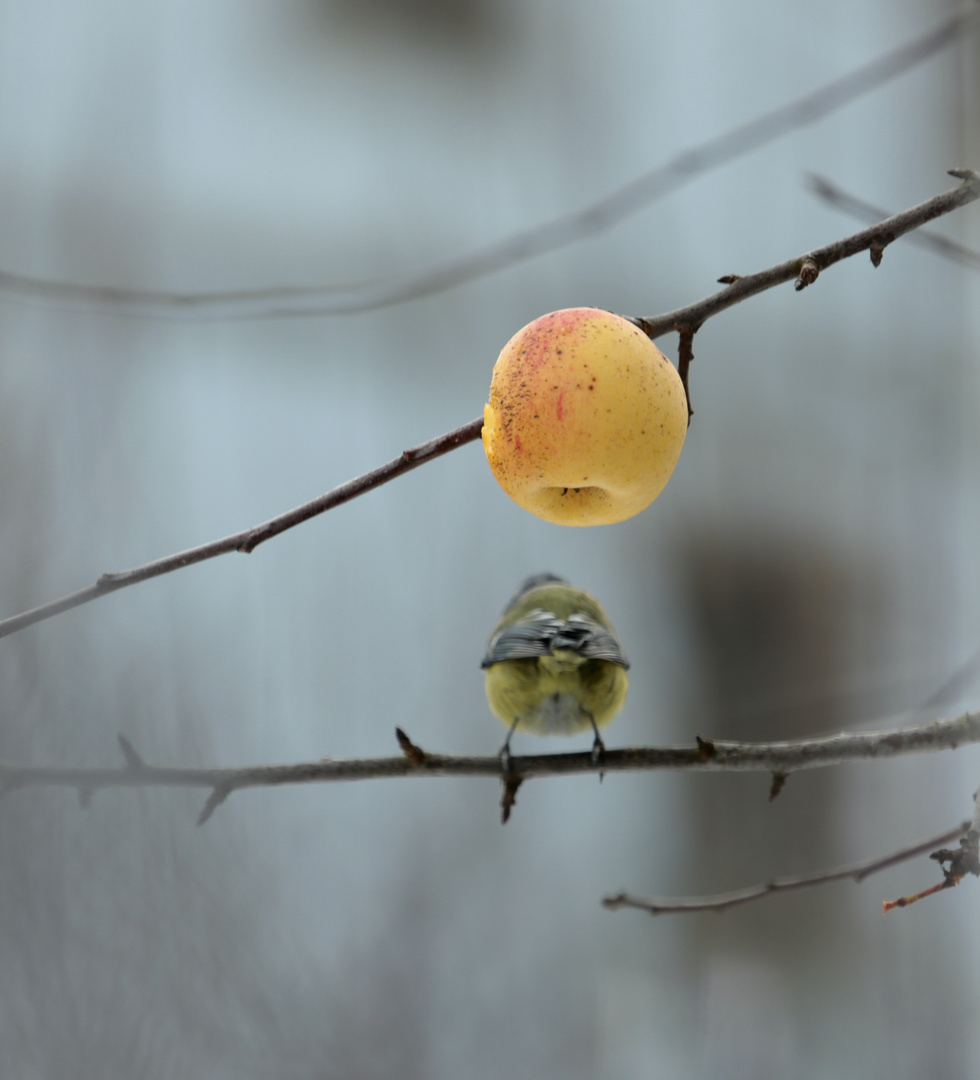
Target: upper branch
x: 686, y: 320
x: 528, y: 243
x: 805, y: 268
x: 842, y: 200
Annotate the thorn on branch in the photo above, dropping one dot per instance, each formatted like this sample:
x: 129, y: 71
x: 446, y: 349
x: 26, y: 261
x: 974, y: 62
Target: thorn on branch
x: 961, y: 174
x: 685, y: 354
x: 215, y: 799
x: 809, y: 272
x: 509, y: 798
x: 876, y: 251
x: 133, y: 760
x: 778, y: 783
x: 729, y: 279
x: 706, y: 749
x: 415, y: 754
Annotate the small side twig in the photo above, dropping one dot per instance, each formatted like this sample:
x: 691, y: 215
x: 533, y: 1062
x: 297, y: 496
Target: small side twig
x: 778, y: 783
x: 415, y: 754
x: 133, y: 760
x: 722, y: 901
x: 508, y: 800
x: 215, y: 799
x: 685, y: 354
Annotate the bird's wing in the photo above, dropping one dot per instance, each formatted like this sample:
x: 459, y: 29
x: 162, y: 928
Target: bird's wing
x: 541, y: 634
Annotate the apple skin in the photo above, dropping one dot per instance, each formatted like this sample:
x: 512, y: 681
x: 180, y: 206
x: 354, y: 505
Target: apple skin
x: 586, y: 418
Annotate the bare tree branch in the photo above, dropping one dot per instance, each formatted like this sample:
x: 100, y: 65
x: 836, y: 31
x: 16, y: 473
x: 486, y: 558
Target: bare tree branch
x: 705, y: 756
x: 805, y: 268
x: 529, y: 243
x: 687, y: 320
x: 248, y: 540
x: 722, y: 901
x: 866, y: 211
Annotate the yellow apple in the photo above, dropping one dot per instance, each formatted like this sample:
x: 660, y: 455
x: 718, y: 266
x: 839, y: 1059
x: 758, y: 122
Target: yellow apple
x: 586, y: 418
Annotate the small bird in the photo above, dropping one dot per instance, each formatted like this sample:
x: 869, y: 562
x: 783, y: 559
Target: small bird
x: 554, y: 665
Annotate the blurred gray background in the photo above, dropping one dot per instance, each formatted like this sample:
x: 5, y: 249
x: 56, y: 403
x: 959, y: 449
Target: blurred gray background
x: 812, y: 564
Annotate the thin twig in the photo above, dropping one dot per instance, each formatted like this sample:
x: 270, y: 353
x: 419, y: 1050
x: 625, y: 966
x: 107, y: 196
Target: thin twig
x: 690, y: 317
x: 962, y: 861
x: 705, y: 756
x: 528, y: 243
x: 250, y: 539
x: 804, y: 268
x: 721, y: 901
x: 866, y: 211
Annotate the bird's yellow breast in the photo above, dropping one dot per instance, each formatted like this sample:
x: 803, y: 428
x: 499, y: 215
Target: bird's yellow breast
x: 556, y: 694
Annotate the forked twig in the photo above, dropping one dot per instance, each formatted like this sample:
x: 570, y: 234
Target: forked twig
x: 723, y: 901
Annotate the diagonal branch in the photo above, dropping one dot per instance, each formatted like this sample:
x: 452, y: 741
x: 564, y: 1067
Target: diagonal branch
x: 722, y: 901
x: 248, y: 540
x: 805, y: 268
x: 528, y: 243
x: 850, y: 204
x: 687, y: 320
x: 705, y: 756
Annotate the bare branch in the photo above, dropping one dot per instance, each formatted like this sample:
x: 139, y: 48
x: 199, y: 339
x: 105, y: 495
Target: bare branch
x: 858, y: 208
x: 529, y: 243
x: 686, y: 320
x: 704, y: 756
x: 721, y: 901
x: 805, y: 267
x: 250, y: 539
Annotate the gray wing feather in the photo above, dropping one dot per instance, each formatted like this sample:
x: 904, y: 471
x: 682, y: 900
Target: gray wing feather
x: 542, y: 634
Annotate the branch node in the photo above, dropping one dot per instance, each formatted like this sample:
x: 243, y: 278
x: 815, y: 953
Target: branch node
x: 509, y: 798
x: 809, y: 272
x: 415, y: 754
x: 133, y: 760
x: 778, y: 783
x: 215, y: 799
x: 642, y: 324
x: 962, y: 860
x: 706, y: 749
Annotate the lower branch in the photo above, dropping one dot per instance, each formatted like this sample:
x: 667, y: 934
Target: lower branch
x: 723, y: 901
x: 705, y: 756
